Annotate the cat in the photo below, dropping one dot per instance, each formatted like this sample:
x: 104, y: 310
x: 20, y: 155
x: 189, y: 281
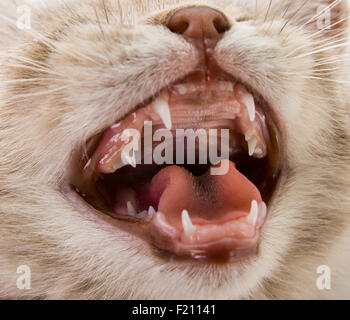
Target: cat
x: 82, y: 66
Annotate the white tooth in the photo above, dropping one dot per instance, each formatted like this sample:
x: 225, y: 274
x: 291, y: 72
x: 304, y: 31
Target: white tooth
x: 230, y: 87
x: 162, y: 108
x: 182, y: 89
x: 248, y: 136
x: 189, y: 228
x: 118, y: 164
x: 222, y: 86
x: 251, y: 146
x: 258, y: 152
x: 263, y: 211
x: 151, y: 212
x: 253, y: 215
x: 248, y: 100
x: 142, y: 215
x: 131, y: 209
x: 193, y: 88
x: 127, y: 159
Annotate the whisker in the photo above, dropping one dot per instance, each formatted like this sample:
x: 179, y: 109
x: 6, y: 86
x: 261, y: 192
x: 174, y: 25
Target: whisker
x: 17, y: 98
x: 293, y: 16
x: 105, y: 10
x: 268, y: 10
x: 47, y: 41
x: 120, y: 12
x: 322, y: 50
x: 322, y: 45
x: 328, y: 60
x: 328, y: 27
x: 37, y: 80
x: 99, y: 23
x: 326, y: 79
x: 329, y: 7
x: 35, y: 69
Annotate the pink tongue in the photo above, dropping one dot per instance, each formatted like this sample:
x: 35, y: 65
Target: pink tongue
x: 208, y: 198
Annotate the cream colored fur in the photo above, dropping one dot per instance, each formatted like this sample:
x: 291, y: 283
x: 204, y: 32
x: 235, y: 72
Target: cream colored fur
x: 75, y: 73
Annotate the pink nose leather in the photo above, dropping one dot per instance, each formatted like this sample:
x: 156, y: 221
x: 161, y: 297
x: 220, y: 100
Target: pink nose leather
x: 199, y: 25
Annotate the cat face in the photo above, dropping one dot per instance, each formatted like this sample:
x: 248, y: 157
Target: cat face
x: 85, y: 68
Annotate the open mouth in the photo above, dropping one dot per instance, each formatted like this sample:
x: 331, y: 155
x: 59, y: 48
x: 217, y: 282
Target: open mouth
x: 176, y: 194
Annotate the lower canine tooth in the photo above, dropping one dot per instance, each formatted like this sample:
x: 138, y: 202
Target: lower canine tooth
x: 161, y: 107
x: 189, y: 228
x: 253, y: 215
x: 263, y: 210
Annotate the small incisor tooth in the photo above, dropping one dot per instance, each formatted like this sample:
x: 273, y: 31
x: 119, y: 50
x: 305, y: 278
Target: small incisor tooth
x: 131, y: 209
x: 189, y: 228
x: 182, y: 89
x: 252, y: 143
x: 142, y: 215
x: 151, y: 212
x: 161, y: 107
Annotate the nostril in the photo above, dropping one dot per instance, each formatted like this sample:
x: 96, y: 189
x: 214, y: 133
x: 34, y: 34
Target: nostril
x: 179, y: 27
x: 220, y: 25
x: 198, y: 23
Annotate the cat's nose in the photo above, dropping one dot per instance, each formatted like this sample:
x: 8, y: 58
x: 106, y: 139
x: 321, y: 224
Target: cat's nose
x: 199, y: 24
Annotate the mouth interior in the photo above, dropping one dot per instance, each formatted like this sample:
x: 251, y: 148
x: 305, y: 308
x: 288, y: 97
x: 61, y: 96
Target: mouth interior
x: 196, y: 206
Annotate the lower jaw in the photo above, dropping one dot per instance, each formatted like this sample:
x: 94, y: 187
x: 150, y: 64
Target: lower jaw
x: 222, y: 249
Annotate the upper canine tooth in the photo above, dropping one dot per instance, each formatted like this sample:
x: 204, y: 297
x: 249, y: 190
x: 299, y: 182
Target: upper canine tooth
x: 252, y: 143
x: 131, y: 209
x: 161, y: 107
x: 248, y: 101
x: 189, y: 228
x: 253, y: 215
